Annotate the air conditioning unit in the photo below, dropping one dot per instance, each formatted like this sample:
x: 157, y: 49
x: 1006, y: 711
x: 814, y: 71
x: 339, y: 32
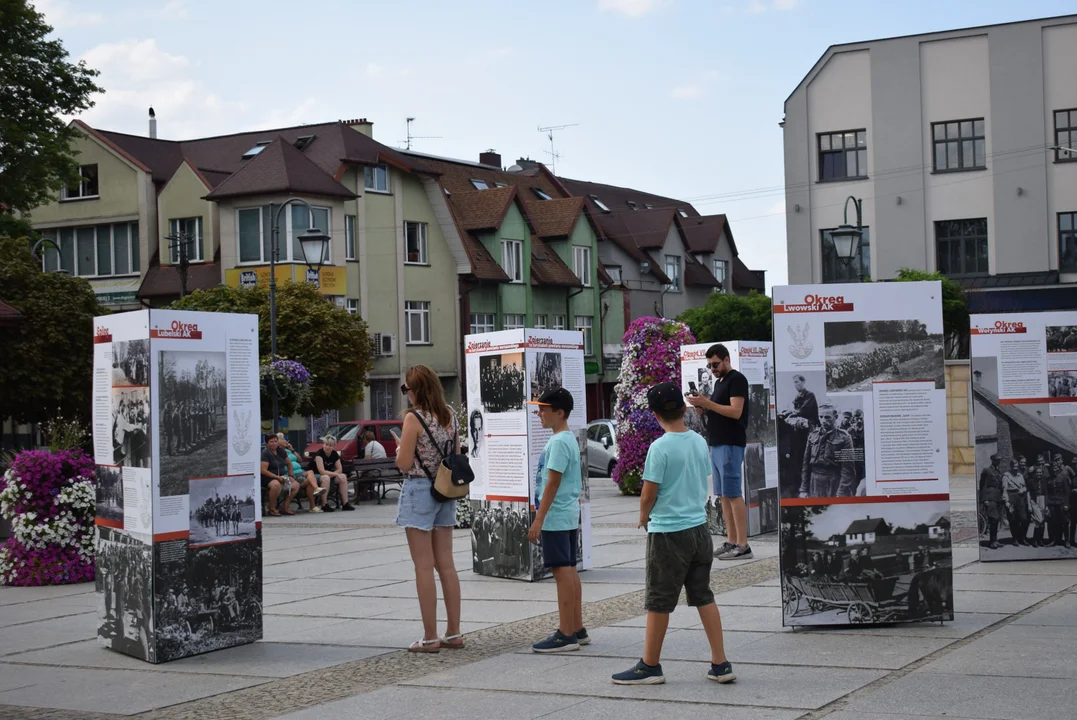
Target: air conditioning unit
x: 384, y: 345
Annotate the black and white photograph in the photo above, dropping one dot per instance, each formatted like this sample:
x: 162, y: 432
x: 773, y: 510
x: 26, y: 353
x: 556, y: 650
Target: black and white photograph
x: 193, y: 418
x: 546, y: 373
x: 1062, y: 383
x: 755, y: 472
x: 124, y: 583
x: 131, y: 363
x: 499, y: 543
x: 768, y: 510
x: 820, y: 439
x: 222, y: 509
x: 130, y: 426
x: 862, y: 352
x: 715, y: 517
x: 704, y: 382
x: 501, y: 382
x: 108, y: 482
x: 475, y: 435
x: 1026, y: 463
x: 1062, y: 338
x: 760, y: 427
x: 211, y: 600
x: 866, y: 563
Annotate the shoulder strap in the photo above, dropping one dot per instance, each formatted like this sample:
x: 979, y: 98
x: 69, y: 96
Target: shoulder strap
x: 418, y: 457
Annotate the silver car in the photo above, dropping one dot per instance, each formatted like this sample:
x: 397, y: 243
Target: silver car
x: 601, y: 447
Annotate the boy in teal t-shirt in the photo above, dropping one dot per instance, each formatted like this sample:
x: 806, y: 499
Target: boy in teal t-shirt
x: 679, y: 547
x: 557, y: 519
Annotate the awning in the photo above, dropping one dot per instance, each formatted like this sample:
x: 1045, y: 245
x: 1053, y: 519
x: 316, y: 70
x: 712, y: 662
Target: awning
x: 121, y: 291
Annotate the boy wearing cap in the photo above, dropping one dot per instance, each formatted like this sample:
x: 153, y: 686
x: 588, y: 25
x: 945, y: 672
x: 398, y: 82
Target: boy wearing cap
x: 557, y: 519
x: 679, y: 547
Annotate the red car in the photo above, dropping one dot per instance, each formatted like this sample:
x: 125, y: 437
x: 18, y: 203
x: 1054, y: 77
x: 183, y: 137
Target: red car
x: 349, y: 437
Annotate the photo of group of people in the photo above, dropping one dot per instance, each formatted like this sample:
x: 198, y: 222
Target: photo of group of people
x: 131, y: 426
x: 859, y: 353
x: 124, y: 583
x: 108, y: 482
x: 546, y: 373
x: 193, y: 418
x: 131, y: 363
x: 1062, y: 383
x: 501, y: 382
x: 222, y: 510
x: 499, y: 543
x: 1061, y: 338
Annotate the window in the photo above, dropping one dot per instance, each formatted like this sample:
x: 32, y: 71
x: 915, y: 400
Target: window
x: 349, y: 237
x: 479, y: 184
x: 482, y: 323
x: 188, y: 230
x: 513, y: 322
x: 583, y: 324
x: 721, y: 272
x: 581, y: 264
x: 254, y: 231
x: 417, y: 315
x: 500, y: 184
x: 601, y: 205
x: 383, y: 394
x: 682, y: 212
x: 843, y: 155
x: 258, y: 147
x: 614, y: 271
x: 1067, y: 242
x: 835, y: 271
x: 541, y: 194
x: 352, y: 306
x: 673, y: 270
x: 961, y: 247
x: 540, y: 322
x: 303, y: 142
x: 512, y: 259
x: 376, y: 178
x: 558, y: 322
x: 86, y: 187
x: 959, y: 145
x: 99, y: 250
x: 1065, y: 135
x: 415, y: 238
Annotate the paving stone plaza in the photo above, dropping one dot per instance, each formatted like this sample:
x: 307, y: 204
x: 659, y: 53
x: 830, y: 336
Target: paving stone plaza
x: 340, y: 608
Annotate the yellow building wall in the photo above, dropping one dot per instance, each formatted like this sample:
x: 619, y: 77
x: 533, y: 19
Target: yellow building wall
x: 118, y: 188
x: 182, y: 197
x: 962, y: 452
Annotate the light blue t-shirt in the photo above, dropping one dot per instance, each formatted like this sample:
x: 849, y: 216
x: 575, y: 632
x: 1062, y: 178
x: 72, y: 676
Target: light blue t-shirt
x: 679, y: 463
x: 561, y: 454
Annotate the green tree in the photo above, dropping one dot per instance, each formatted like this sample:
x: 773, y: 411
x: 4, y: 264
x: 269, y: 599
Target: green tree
x: 47, y: 359
x: 37, y: 86
x: 331, y: 343
x: 955, y: 309
x: 730, y: 317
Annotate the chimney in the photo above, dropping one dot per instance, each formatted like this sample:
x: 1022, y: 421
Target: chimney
x: 153, y: 123
x: 527, y: 164
x: 361, y: 125
x: 490, y: 157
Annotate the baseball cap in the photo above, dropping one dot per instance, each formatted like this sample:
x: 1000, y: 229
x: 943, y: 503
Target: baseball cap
x: 556, y: 398
x: 664, y: 397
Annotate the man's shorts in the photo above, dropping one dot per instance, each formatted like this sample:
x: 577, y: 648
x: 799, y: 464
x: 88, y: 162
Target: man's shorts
x: 679, y: 560
x: 727, y: 463
x: 560, y: 548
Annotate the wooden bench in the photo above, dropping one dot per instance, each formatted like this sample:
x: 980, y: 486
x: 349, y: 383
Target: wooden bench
x: 376, y: 474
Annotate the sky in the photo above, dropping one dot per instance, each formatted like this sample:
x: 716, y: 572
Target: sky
x: 676, y: 97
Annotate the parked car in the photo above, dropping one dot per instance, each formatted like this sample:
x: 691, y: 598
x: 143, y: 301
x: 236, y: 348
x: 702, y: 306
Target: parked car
x: 601, y: 447
x: 349, y: 437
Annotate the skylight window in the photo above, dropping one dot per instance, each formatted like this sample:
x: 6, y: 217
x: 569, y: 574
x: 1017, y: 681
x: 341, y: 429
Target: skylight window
x: 648, y: 206
x: 500, y: 184
x: 631, y: 204
x: 601, y: 205
x: 303, y: 142
x: 683, y: 212
x: 258, y: 147
x: 541, y: 194
x: 479, y: 184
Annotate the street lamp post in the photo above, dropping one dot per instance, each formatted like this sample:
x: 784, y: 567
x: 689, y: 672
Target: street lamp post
x: 312, y: 241
x: 846, y: 238
x: 180, y: 242
x: 47, y: 241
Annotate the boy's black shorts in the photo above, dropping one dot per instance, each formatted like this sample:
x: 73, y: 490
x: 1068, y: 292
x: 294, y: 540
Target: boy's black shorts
x: 560, y: 548
x: 678, y: 560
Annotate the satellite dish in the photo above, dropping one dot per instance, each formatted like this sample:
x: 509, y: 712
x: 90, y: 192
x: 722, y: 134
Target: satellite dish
x: 515, y: 168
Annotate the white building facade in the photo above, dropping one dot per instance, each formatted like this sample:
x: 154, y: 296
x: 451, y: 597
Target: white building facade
x: 962, y: 146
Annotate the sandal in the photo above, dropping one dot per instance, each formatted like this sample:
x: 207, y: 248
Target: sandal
x: 426, y: 646
x: 453, y: 642
x: 287, y: 512
x: 275, y: 513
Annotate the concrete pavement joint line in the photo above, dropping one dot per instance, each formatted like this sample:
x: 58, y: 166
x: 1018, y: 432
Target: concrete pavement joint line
x: 843, y: 702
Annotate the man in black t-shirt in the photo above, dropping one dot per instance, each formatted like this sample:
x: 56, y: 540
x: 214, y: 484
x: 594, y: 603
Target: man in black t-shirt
x: 726, y: 412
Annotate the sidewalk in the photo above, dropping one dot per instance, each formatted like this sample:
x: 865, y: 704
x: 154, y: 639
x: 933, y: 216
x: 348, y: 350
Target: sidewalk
x: 339, y: 607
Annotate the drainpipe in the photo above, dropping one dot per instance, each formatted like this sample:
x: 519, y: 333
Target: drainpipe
x: 602, y: 362
x: 464, y: 302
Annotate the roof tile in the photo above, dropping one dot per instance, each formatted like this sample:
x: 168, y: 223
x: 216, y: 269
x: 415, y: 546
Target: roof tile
x: 547, y: 268
x: 280, y: 168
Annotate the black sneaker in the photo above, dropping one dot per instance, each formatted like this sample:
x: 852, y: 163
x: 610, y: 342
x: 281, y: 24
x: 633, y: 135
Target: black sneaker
x: 726, y: 547
x: 558, y: 642
x: 722, y: 673
x: 582, y: 637
x: 640, y: 674
x: 348, y: 507
x: 328, y: 508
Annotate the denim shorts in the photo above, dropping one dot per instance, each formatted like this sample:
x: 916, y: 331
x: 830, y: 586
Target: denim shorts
x: 417, y: 508
x: 727, y: 463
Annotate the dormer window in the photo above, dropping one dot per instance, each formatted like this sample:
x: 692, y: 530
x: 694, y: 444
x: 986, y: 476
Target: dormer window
x: 632, y: 204
x: 303, y: 142
x: 541, y: 194
x: 479, y: 184
x: 258, y: 147
x: 682, y: 212
x: 601, y: 205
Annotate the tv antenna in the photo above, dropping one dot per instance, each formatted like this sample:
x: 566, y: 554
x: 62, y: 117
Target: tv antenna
x: 407, y: 142
x: 554, y: 155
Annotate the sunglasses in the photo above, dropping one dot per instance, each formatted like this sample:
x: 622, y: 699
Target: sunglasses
x: 404, y: 389
x: 715, y: 365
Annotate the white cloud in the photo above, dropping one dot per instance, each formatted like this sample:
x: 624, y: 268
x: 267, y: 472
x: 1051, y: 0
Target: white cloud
x: 374, y: 70
x: 630, y: 8
x: 785, y: 4
x: 686, y: 92
x: 174, y: 10
x: 756, y: 7
x: 59, y: 14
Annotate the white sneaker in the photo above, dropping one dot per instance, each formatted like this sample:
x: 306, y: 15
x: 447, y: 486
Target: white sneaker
x: 315, y: 509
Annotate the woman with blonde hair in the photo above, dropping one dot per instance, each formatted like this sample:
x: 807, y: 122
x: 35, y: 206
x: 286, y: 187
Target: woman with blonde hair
x: 428, y: 523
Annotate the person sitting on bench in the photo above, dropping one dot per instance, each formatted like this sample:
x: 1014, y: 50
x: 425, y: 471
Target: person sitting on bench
x: 326, y: 466
x: 277, y: 476
x: 372, y: 449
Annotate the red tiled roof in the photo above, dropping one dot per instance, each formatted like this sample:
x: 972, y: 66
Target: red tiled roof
x: 617, y: 198
x: 703, y: 233
x: 482, y: 209
x: 9, y: 315
x: 280, y: 168
x: 745, y: 279
x: 163, y: 280
x: 456, y: 176
x: 483, y: 264
x: 554, y: 218
x: 697, y: 275
x: 547, y: 268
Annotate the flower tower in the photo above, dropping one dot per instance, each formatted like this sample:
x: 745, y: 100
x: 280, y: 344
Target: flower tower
x: 51, y: 502
x: 652, y: 355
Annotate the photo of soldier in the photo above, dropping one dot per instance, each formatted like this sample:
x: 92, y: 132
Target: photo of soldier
x: 829, y: 468
x: 193, y: 418
x: 123, y: 580
x: 499, y: 542
x: 760, y: 427
x: 108, y: 483
x: 130, y: 426
x: 1061, y: 338
x: 222, y: 510
x: 501, y: 382
x: 131, y: 363
x: 798, y: 416
x: 1062, y: 383
x: 859, y: 353
x: 768, y: 510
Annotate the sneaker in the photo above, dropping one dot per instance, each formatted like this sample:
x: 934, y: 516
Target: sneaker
x: 558, y: 642
x: 726, y: 547
x: 328, y: 508
x: 348, y: 507
x: 722, y: 673
x: 582, y: 637
x: 640, y: 674
x: 739, y: 552
x: 315, y: 509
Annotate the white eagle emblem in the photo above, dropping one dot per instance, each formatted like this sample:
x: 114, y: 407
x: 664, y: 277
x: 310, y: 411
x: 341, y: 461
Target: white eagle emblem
x: 241, y: 441
x: 801, y: 347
